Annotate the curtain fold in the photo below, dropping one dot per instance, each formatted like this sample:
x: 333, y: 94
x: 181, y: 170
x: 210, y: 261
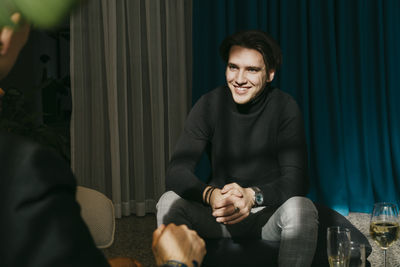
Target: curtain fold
x: 340, y: 62
x: 131, y: 89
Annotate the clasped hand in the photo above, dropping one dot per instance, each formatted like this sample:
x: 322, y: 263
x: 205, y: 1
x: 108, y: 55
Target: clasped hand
x: 232, y: 203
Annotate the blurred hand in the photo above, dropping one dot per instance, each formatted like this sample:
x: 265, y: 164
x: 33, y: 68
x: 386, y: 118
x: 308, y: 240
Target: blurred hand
x: 232, y: 204
x: 178, y: 243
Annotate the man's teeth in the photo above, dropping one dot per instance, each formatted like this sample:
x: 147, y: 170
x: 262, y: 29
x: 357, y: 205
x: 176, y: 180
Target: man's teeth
x: 241, y: 89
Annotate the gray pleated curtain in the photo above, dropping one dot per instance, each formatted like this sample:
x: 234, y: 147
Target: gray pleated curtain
x: 131, y: 90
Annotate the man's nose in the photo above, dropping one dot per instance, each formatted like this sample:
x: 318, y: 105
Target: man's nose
x: 241, y: 78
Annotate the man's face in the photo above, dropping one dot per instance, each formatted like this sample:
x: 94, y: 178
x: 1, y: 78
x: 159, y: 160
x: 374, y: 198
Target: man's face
x: 246, y: 74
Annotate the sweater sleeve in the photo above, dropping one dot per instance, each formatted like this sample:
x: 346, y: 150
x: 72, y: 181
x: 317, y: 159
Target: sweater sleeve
x: 292, y: 158
x: 180, y: 176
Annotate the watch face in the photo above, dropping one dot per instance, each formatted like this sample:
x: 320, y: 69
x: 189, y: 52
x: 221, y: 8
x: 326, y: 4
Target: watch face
x: 259, y: 198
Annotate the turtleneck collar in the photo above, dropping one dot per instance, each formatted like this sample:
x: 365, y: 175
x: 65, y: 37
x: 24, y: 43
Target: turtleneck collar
x: 253, y: 104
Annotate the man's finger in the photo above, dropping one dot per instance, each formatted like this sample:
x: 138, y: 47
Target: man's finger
x: 225, y: 189
x: 228, y: 187
x: 233, y: 192
x: 157, y: 233
x: 227, y: 219
x: 238, y: 219
x: 229, y: 200
x: 224, y: 211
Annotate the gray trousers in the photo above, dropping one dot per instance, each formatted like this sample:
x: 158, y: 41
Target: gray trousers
x: 294, y: 224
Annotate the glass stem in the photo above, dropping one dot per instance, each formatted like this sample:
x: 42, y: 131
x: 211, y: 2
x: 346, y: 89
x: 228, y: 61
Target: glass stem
x: 384, y: 257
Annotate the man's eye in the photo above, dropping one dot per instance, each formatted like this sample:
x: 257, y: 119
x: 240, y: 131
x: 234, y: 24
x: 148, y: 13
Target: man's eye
x: 252, y: 70
x: 231, y: 67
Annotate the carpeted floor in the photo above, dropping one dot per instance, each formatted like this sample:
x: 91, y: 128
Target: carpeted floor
x: 133, y: 239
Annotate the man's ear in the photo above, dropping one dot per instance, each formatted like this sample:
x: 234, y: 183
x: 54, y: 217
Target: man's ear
x: 5, y: 39
x: 6, y: 61
x: 21, y: 30
x: 271, y: 75
x: 11, y: 42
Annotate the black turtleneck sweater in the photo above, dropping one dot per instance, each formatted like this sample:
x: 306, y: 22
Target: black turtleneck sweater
x: 261, y: 143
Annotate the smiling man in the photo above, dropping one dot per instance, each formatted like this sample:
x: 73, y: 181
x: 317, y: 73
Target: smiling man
x: 253, y: 134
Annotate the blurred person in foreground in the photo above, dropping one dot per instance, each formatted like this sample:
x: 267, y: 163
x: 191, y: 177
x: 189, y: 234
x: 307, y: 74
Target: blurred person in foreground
x: 41, y: 223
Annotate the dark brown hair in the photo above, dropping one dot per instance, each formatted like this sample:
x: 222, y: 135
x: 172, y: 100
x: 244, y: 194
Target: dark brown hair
x: 257, y: 40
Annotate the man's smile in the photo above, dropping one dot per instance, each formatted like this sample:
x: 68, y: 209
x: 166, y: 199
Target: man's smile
x: 242, y: 90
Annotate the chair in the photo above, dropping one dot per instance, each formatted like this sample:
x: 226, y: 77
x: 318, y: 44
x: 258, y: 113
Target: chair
x: 97, y: 212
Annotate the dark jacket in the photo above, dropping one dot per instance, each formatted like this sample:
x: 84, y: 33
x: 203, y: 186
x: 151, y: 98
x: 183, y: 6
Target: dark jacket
x: 40, y: 221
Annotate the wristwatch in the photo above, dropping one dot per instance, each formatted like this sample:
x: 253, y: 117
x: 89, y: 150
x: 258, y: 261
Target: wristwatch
x: 258, y: 196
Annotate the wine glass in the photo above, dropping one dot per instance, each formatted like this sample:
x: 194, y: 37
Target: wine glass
x: 384, y: 226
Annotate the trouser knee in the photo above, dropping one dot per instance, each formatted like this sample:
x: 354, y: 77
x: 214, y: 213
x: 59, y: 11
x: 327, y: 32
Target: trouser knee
x: 171, y: 209
x: 300, y: 211
x: 166, y: 200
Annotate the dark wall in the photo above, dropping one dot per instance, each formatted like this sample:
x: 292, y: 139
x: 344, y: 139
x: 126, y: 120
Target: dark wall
x: 27, y: 73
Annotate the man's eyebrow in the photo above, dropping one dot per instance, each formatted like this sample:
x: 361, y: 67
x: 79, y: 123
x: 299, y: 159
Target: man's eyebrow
x: 230, y: 64
x: 253, y: 67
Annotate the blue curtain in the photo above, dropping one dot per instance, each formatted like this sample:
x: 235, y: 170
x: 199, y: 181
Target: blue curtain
x: 341, y: 62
